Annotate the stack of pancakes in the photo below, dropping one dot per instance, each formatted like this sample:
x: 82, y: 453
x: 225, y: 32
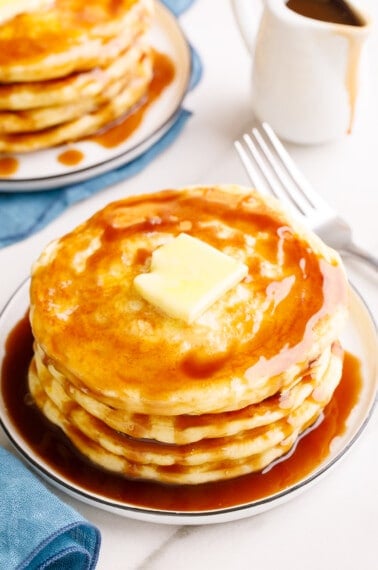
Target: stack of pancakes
x: 67, y: 71
x: 149, y: 396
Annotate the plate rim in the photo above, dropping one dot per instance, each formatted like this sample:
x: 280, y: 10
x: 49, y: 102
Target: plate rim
x: 164, y: 516
x: 117, y: 158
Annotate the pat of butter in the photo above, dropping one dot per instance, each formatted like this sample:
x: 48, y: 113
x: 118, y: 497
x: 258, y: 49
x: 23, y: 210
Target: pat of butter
x: 187, y: 276
x: 11, y: 8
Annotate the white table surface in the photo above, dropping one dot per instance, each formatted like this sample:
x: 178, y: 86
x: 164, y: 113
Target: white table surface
x: 334, y: 524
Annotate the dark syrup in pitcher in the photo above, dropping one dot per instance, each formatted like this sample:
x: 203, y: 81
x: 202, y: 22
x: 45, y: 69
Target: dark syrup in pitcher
x: 334, y: 11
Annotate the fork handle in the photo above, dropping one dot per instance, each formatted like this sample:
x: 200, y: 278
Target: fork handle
x: 362, y: 254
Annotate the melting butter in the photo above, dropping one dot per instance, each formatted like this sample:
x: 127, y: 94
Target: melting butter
x: 187, y: 276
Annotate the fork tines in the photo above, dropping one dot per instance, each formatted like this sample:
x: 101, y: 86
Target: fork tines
x: 272, y: 170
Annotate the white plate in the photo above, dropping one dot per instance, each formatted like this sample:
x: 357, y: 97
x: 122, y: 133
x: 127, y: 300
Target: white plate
x: 359, y: 339
x: 41, y: 170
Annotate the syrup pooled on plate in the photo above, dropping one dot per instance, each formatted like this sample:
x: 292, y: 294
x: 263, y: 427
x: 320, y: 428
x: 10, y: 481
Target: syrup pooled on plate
x: 71, y: 157
x: 8, y: 166
x: 50, y: 444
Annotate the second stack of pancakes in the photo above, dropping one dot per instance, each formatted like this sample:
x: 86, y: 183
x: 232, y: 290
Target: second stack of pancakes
x: 68, y: 70
x: 151, y: 397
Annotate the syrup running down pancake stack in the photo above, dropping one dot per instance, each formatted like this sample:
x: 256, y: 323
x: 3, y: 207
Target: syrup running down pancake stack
x: 172, y: 399
x: 68, y: 68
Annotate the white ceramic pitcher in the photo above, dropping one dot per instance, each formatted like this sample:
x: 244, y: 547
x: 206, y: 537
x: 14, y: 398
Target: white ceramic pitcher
x: 306, y: 73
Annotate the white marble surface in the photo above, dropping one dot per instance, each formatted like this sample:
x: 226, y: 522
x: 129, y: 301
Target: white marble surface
x: 334, y: 524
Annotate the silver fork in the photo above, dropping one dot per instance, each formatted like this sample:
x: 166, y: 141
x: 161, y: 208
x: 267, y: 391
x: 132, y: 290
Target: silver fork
x: 271, y: 169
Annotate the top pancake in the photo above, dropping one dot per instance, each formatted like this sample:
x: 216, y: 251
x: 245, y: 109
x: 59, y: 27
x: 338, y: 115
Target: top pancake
x: 93, y: 326
x: 71, y: 36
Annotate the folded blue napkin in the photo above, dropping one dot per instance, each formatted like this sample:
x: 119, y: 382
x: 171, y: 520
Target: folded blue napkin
x: 37, y: 530
x: 24, y: 213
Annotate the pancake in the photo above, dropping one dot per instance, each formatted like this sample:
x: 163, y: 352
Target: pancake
x: 247, y: 451
x: 85, y: 125
x: 184, y: 429
x: 151, y: 396
x: 44, y: 117
x: 72, y: 70
x: 65, y: 90
x: 273, y: 322
x: 71, y: 36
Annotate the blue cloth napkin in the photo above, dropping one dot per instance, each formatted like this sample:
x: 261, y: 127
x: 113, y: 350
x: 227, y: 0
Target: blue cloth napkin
x: 37, y: 530
x: 24, y: 213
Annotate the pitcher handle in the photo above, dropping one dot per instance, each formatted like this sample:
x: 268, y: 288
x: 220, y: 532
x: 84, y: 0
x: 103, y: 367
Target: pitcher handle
x: 247, y: 15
